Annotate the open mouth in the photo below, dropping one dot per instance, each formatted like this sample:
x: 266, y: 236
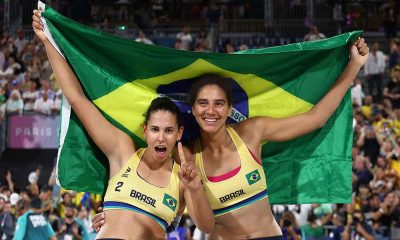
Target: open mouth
x: 210, y: 120
x: 161, y: 150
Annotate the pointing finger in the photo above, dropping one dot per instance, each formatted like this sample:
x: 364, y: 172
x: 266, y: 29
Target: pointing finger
x: 181, y: 153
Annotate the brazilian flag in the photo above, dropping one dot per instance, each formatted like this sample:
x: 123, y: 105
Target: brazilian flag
x: 121, y: 77
x: 170, y: 202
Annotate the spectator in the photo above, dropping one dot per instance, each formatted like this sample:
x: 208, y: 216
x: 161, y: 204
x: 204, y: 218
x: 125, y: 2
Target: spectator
x: 357, y: 228
x: 378, y: 184
x: 289, y: 226
x: 7, y: 221
x: 30, y: 96
x: 301, y: 212
x: 387, y: 213
x: 202, y: 43
x: 374, y: 68
x: 14, y: 104
x: 66, y: 199
x: 366, y: 108
x: 34, y: 68
x: 57, y: 102
x: 4, y: 39
x: 314, y: 229
x: 394, y: 53
x: 44, y: 105
x: 362, y: 175
x: 46, y: 70
x: 85, y: 221
x: 143, y: 39
x: 20, y: 42
x: 28, y: 54
x: 229, y: 48
x: 46, y: 200
x: 46, y: 88
x: 33, y: 177
x: 186, y: 39
x: 392, y: 91
x: 338, y: 222
x: 243, y: 47
x: 357, y: 93
x: 10, y: 45
x: 362, y: 197
x: 70, y: 228
x: 368, y: 143
x: 32, y: 224
x: 373, y: 205
x: 13, y: 68
x: 313, y: 34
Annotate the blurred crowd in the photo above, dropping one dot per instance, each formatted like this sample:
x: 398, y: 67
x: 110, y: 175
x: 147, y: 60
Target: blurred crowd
x: 27, y: 86
x: 67, y: 213
x: 26, y: 81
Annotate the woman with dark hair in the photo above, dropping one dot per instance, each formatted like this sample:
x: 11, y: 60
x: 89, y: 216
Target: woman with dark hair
x: 147, y: 189
x: 229, y: 156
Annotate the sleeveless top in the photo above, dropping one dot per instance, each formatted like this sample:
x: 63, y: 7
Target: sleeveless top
x: 248, y: 185
x: 127, y: 190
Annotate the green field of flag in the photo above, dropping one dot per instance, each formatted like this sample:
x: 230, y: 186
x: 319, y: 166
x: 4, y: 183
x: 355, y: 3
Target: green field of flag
x: 121, y: 77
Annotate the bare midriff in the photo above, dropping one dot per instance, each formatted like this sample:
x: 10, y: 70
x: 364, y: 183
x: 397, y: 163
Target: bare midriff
x: 126, y: 224
x: 252, y: 221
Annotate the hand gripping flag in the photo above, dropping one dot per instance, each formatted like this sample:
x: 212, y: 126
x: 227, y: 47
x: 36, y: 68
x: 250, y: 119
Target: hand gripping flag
x: 121, y: 77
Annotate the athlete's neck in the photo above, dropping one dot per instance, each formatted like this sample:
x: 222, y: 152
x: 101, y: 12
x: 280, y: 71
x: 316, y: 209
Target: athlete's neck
x: 215, y: 141
x: 155, y: 164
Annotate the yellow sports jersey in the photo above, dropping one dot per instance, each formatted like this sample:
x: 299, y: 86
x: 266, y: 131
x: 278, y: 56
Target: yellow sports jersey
x: 366, y: 111
x: 127, y: 190
x: 248, y: 185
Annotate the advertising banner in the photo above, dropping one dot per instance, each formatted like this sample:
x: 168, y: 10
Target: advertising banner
x: 33, y: 131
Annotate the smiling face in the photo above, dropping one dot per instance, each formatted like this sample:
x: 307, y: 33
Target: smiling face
x: 211, y: 108
x: 162, y: 132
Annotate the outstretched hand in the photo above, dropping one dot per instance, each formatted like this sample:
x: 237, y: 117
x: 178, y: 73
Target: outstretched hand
x: 37, y: 25
x: 188, y: 174
x: 359, y: 52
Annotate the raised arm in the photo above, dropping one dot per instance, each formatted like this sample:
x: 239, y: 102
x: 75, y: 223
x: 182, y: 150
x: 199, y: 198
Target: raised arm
x: 195, y: 198
x: 116, y: 144
x: 10, y: 182
x: 271, y: 129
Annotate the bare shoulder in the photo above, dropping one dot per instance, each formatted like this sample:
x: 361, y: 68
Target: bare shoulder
x: 250, y: 127
x: 251, y: 130
x: 127, y: 147
x: 125, y: 151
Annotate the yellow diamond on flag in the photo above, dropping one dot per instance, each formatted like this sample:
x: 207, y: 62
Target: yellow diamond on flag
x: 135, y: 96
